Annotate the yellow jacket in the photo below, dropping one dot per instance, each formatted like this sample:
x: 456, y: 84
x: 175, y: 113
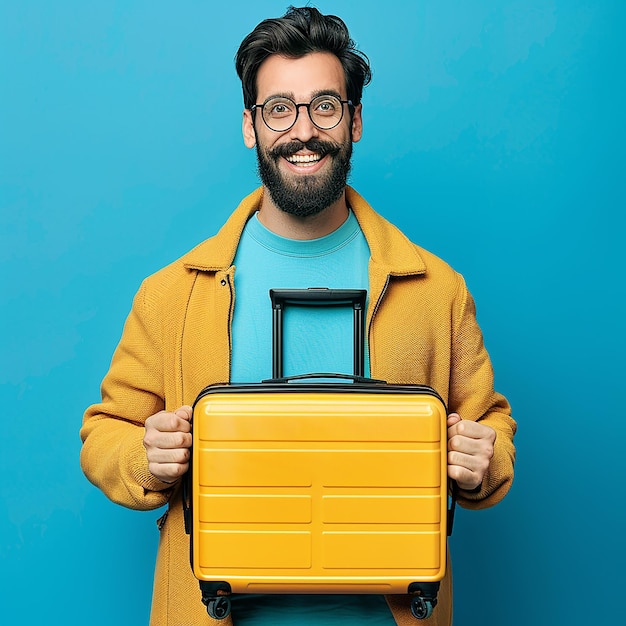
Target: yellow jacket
x: 421, y: 329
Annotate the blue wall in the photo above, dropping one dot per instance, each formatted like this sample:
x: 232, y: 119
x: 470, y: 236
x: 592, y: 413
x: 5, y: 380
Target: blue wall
x: 494, y: 136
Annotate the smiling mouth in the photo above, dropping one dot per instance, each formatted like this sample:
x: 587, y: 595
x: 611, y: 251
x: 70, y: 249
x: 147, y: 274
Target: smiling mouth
x: 304, y: 160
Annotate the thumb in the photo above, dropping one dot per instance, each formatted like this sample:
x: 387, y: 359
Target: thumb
x: 184, y: 412
x: 453, y: 418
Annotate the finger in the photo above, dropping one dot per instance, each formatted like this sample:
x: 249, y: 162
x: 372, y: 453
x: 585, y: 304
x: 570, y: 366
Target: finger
x: 473, y: 454
x: 471, y: 462
x: 468, y: 445
x: 164, y: 456
x: 477, y: 464
x: 166, y: 421
x: 464, y: 478
x: 169, y: 440
x: 168, y: 472
x: 166, y: 440
x: 468, y: 428
x: 473, y: 430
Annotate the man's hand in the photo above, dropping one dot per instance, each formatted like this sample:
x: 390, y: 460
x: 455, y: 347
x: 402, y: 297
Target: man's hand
x: 167, y: 440
x: 470, y: 448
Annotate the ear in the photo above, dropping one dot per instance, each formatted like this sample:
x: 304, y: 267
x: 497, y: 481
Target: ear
x: 247, y: 128
x: 357, y: 123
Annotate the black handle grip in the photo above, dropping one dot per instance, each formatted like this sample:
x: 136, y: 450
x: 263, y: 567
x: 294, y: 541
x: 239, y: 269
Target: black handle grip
x: 353, y: 377
x: 319, y: 296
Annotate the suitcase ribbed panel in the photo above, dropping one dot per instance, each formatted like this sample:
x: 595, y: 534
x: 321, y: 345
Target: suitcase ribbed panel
x: 319, y: 491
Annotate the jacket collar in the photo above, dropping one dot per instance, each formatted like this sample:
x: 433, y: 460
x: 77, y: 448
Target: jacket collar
x: 218, y: 252
x: 390, y: 249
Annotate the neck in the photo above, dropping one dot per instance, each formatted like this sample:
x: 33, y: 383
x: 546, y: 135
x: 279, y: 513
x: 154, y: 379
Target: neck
x: 293, y: 227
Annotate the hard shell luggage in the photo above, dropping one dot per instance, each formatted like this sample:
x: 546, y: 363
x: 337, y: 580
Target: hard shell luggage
x: 302, y: 485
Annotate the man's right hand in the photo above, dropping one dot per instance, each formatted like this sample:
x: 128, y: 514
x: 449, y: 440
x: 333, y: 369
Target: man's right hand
x: 167, y: 440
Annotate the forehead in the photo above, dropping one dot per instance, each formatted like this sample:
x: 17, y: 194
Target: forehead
x: 300, y: 78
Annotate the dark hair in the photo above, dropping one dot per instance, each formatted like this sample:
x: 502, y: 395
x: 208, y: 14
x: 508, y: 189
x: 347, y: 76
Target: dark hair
x: 297, y: 33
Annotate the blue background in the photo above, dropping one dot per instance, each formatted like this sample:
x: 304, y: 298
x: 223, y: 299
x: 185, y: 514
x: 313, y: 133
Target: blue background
x: 494, y: 136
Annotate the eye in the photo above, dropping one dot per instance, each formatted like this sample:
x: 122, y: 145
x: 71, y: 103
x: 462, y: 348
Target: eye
x: 278, y: 108
x: 326, y: 106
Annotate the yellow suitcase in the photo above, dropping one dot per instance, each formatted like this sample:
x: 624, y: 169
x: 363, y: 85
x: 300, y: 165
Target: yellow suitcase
x: 299, y: 486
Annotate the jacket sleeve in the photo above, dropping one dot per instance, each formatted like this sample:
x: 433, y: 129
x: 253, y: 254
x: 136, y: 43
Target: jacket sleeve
x: 473, y: 397
x: 113, y: 457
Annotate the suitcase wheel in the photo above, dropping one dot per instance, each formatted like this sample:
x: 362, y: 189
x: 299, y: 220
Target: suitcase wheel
x: 421, y: 607
x: 218, y: 607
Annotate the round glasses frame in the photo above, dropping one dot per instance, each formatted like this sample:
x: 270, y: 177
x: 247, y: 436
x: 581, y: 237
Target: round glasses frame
x: 263, y: 107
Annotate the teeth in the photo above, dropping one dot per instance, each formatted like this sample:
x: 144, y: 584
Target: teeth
x: 308, y: 158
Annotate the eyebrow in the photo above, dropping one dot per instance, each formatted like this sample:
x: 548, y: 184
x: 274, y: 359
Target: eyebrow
x: 315, y: 94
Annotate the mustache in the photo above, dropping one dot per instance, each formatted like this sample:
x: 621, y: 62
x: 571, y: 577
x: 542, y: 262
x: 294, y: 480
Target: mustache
x: 314, y: 145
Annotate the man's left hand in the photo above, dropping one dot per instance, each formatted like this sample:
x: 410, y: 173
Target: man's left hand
x: 470, y: 449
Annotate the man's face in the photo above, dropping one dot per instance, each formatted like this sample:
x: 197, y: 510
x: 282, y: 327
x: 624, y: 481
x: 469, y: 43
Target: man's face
x: 304, y: 169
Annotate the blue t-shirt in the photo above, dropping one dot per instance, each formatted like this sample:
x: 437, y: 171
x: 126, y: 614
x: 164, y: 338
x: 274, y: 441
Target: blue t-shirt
x: 315, y: 340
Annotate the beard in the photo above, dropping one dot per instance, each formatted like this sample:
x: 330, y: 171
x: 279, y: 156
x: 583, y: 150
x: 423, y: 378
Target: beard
x: 305, y: 195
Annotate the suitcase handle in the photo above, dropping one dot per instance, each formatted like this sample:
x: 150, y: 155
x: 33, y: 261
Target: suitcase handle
x: 317, y: 296
x: 353, y: 377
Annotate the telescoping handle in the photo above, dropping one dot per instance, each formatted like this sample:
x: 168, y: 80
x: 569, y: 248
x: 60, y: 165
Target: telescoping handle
x: 318, y: 296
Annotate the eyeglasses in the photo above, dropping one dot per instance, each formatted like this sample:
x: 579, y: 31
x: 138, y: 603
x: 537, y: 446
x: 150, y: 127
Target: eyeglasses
x: 280, y: 113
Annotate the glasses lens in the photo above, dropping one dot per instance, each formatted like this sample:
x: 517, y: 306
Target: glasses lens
x: 279, y: 113
x: 326, y: 111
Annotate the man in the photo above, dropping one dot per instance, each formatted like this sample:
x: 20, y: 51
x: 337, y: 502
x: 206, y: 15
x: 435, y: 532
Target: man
x: 302, y: 81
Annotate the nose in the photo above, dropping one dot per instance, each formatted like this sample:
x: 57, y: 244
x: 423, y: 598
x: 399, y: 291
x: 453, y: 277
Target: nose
x: 303, y: 129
